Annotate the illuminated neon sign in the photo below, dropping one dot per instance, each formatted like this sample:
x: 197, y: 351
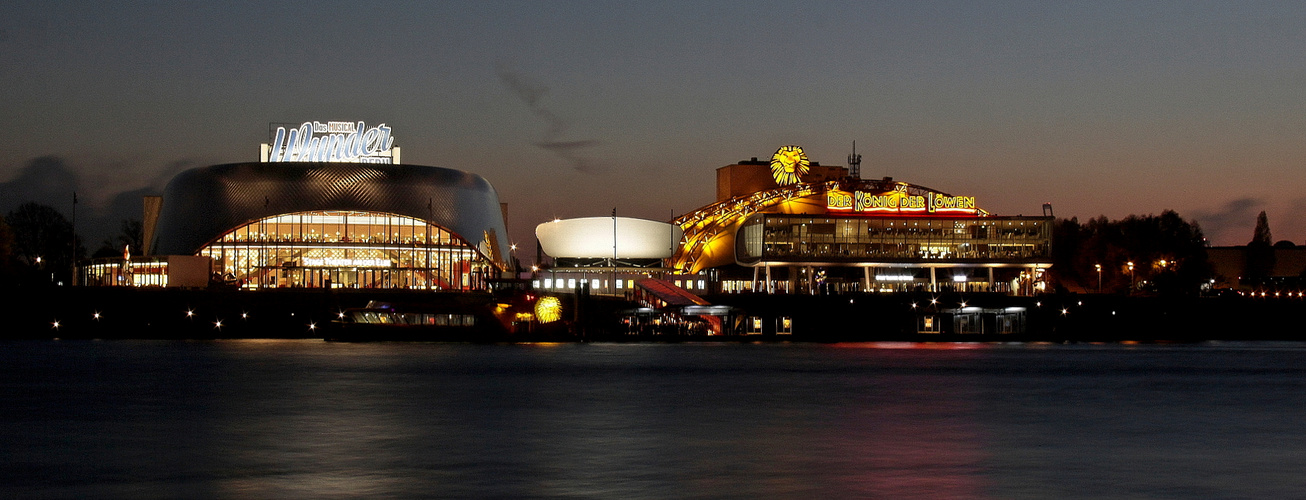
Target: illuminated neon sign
x: 899, y: 202
x: 346, y: 142
x: 334, y: 262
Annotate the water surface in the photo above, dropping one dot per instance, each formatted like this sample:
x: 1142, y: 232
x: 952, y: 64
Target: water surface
x: 304, y: 418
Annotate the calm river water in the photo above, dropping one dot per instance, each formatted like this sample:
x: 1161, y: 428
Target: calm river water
x: 312, y: 419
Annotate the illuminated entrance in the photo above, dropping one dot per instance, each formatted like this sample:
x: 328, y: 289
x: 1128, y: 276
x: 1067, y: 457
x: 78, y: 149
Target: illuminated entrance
x: 348, y: 249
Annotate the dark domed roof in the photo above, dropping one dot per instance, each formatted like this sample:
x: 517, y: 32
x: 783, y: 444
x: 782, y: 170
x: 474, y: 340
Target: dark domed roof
x: 202, y: 204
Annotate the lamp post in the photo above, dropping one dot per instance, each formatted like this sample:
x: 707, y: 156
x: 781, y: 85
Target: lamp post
x: 512, y: 256
x: 1131, y: 276
x: 40, y: 268
x: 1099, y: 277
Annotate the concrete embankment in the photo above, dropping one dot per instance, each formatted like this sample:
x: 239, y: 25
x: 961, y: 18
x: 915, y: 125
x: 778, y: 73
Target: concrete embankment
x: 153, y: 313
x: 1060, y: 318
x: 87, y: 312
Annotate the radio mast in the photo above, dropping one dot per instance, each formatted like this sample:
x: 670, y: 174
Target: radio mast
x: 855, y: 163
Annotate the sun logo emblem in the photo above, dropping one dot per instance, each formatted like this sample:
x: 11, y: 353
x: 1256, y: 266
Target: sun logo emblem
x: 788, y: 165
x: 548, y: 309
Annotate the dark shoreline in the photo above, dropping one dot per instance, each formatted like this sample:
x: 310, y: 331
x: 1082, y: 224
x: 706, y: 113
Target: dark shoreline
x: 128, y: 313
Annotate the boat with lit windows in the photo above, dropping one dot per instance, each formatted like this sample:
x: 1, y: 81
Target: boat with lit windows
x: 416, y: 321
x: 513, y: 315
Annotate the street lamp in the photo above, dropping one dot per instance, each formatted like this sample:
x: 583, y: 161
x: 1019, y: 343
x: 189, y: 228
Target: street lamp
x: 1099, y: 277
x: 1131, y: 276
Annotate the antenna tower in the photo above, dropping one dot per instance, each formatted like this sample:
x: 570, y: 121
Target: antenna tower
x: 855, y: 163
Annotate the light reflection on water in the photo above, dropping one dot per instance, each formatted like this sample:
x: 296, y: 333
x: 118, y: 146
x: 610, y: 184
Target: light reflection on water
x: 888, y: 420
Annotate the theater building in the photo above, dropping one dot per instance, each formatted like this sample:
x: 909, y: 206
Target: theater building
x: 603, y: 255
x: 330, y: 207
x: 789, y: 225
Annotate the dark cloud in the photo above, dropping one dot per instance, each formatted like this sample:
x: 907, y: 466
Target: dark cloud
x: 570, y: 151
x: 567, y: 145
x: 1235, y: 216
x: 51, y: 181
x: 529, y: 91
x: 1299, y: 205
x: 532, y: 93
x: 47, y: 180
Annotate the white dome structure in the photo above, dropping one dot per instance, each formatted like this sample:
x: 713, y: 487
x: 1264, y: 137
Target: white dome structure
x: 593, y: 237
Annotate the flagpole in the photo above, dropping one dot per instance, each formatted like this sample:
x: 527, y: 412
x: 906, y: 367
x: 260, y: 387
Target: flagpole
x: 73, y: 250
x: 613, y: 290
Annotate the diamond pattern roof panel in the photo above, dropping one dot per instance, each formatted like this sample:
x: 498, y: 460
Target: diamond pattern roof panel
x: 202, y: 204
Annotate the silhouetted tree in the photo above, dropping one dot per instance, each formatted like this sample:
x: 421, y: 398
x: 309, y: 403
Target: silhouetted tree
x: 1067, y: 236
x: 1262, y: 232
x: 1168, y: 253
x: 8, y: 262
x: 1260, y: 254
x: 42, y: 232
x: 132, y: 237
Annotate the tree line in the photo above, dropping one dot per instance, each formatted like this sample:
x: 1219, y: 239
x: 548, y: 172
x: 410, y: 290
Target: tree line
x: 1162, y: 254
x: 38, y: 247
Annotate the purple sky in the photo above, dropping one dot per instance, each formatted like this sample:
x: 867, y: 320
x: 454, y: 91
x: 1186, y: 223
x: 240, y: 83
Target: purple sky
x: 571, y: 109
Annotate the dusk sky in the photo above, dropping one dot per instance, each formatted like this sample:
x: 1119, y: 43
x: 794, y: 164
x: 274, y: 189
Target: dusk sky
x: 572, y: 108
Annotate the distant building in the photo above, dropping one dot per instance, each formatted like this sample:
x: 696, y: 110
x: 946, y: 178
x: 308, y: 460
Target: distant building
x: 1229, y: 266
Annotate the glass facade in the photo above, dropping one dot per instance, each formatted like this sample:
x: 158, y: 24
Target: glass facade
x: 348, y: 249
x: 779, y: 238
x: 113, y: 271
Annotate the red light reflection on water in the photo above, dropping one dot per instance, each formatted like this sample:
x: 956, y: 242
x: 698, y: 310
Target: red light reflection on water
x: 909, y: 345
x: 917, y: 432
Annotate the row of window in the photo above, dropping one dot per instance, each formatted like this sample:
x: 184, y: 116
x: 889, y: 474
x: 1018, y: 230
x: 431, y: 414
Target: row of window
x: 796, y: 238
x: 148, y: 273
x: 347, y: 249
x: 341, y: 227
x: 596, y: 284
x: 394, y: 318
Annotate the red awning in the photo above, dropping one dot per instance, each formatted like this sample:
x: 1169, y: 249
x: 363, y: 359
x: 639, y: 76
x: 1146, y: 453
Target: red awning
x: 670, y: 293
